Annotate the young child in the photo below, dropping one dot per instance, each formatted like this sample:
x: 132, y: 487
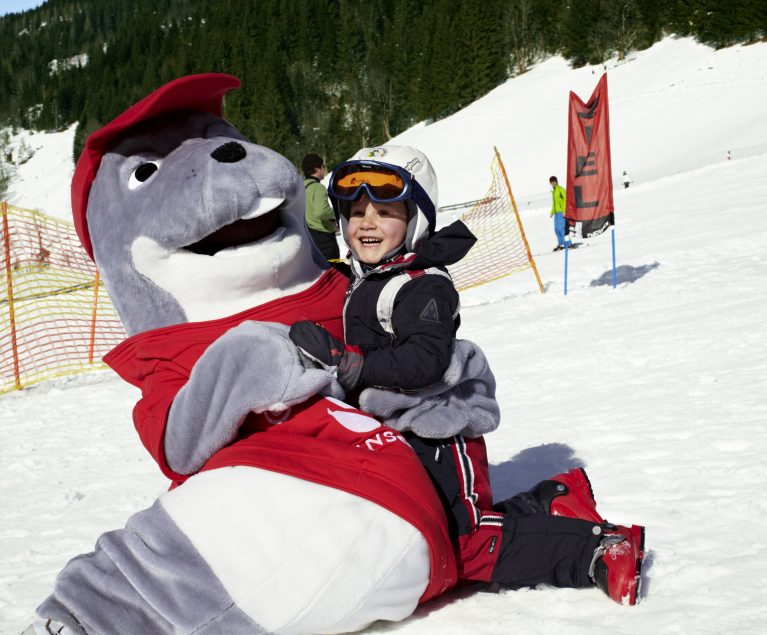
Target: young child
x: 400, y: 321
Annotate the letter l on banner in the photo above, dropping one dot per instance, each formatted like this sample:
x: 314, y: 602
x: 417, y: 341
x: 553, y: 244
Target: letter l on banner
x: 589, y: 209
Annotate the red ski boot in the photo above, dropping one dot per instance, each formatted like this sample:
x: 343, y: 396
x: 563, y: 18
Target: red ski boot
x: 579, y: 501
x: 617, y: 564
x: 569, y: 494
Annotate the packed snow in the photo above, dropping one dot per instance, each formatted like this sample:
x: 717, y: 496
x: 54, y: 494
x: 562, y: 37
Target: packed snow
x: 41, y: 168
x: 656, y: 387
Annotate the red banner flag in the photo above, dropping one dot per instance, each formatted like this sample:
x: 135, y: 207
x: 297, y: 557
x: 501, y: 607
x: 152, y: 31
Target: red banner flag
x: 590, y: 208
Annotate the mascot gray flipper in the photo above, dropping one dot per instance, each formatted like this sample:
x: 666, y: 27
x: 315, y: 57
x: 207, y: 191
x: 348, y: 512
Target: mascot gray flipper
x: 290, y: 511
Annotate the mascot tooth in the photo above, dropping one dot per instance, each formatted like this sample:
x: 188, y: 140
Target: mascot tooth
x: 289, y: 511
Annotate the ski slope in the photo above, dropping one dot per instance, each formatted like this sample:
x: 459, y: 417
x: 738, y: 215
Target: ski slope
x: 656, y: 387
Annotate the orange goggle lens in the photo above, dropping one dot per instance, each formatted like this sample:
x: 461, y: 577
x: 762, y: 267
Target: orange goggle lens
x: 383, y: 185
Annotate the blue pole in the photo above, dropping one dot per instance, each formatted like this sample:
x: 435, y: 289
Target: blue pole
x: 566, y: 250
x: 615, y: 272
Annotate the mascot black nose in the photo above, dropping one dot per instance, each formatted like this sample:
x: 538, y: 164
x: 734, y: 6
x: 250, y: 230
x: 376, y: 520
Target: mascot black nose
x: 230, y: 152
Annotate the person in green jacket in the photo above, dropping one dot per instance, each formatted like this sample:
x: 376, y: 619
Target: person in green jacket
x: 319, y: 214
x: 558, y: 202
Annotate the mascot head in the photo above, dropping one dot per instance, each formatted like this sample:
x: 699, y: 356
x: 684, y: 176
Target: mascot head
x: 185, y: 218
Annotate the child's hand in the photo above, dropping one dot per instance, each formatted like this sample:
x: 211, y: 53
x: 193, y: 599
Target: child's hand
x: 321, y: 347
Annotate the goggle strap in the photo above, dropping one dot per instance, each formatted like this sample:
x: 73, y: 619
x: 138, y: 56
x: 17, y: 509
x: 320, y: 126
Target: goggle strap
x: 425, y: 203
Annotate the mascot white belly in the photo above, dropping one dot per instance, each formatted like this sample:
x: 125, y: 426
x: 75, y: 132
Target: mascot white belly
x: 304, y: 558
x: 291, y: 512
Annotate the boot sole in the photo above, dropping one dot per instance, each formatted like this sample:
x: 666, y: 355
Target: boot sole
x: 638, y: 534
x: 588, y: 483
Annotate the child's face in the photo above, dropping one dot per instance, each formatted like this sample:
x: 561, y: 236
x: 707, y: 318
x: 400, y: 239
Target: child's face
x: 375, y: 229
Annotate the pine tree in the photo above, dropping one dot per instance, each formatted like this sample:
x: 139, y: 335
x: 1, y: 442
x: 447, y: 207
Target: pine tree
x: 523, y: 41
x: 323, y: 75
x: 625, y: 23
x: 653, y: 16
x: 582, y: 32
x: 750, y: 19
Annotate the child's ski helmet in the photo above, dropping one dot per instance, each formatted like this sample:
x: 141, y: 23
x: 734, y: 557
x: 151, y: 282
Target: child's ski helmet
x: 422, y: 216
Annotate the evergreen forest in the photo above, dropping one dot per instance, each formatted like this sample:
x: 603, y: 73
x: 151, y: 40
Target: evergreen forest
x: 325, y: 76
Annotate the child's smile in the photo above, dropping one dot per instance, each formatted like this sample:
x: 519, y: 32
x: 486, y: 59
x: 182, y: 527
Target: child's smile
x: 376, y: 229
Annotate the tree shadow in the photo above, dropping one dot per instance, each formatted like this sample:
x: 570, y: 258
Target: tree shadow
x: 530, y: 466
x: 624, y: 273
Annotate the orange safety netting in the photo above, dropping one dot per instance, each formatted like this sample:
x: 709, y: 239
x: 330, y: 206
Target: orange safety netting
x: 501, y: 248
x: 55, y: 316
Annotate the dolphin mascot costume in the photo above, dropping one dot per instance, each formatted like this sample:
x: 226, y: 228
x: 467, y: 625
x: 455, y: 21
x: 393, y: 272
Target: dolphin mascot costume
x: 289, y: 510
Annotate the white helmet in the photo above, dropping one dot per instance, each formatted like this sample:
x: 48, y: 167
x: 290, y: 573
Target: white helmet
x: 420, y: 196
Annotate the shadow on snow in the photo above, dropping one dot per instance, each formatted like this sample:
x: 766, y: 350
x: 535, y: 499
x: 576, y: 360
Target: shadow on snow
x: 624, y: 273
x: 530, y: 466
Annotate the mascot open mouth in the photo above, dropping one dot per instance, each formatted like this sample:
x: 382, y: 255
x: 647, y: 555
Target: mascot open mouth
x: 241, y: 232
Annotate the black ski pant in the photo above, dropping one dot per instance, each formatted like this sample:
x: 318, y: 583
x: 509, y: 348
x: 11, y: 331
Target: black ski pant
x: 514, y: 543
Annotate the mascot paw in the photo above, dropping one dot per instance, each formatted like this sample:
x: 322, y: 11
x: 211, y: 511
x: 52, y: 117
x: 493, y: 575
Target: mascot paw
x: 253, y: 367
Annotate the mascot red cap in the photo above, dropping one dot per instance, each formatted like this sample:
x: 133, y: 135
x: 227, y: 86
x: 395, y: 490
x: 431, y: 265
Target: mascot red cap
x: 197, y: 93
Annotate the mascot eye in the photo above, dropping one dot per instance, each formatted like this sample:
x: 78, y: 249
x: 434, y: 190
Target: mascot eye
x: 142, y: 173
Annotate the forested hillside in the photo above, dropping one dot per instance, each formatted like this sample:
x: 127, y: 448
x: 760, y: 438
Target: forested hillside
x: 322, y: 75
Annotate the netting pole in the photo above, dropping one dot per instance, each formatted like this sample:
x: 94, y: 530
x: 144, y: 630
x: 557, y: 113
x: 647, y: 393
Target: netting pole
x: 93, y: 316
x: 9, y: 286
x: 519, y: 220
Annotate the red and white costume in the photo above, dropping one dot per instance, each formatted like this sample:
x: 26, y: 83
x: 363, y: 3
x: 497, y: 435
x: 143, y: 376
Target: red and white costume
x: 323, y: 442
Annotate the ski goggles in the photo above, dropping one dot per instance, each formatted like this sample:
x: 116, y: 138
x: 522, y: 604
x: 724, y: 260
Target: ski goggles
x: 380, y: 183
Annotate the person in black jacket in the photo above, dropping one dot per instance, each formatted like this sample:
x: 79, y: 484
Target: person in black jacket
x: 400, y: 320
x: 319, y: 215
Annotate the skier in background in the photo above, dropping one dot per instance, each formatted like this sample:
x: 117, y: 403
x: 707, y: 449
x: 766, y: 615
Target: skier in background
x: 319, y: 214
x: 625, y: 180
x: 558, y: 202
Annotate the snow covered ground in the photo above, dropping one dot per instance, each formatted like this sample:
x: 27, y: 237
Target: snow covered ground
x: 657, y: 387
x: 42, y: 171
